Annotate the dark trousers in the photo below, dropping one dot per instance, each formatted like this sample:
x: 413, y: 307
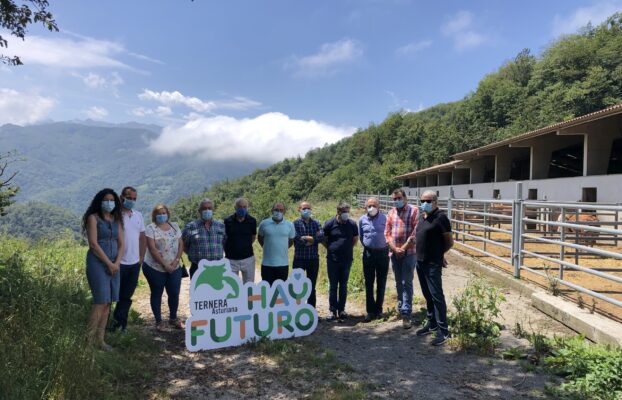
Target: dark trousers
x: 158, y: 281
x: 338, y: 275
x: 430, y: 279
x: 375, y: 268
x: 193, y: 269
x: 271, y: 274
x: 311, y: 267
x: 129, y: 281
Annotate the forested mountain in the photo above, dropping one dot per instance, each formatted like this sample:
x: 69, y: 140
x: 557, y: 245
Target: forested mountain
x: 66, y: 163
x: 575, y: 75
x: 35, y: 220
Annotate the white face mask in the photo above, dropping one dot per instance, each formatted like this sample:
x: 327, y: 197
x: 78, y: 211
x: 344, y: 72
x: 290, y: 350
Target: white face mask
x: 372, y: 211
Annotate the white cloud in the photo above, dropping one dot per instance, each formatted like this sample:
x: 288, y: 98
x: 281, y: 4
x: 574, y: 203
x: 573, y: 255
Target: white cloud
x: 23, y: 108
x: 328, y: 60
x: 176, y: 98
x: 268, y: 137
x: 459, y: 27
x: 99, y: 82
x: 594, y: 14
x: 96, y: 113
x: 412, y: 48
x: 163, y: 111
x: 71, y: 51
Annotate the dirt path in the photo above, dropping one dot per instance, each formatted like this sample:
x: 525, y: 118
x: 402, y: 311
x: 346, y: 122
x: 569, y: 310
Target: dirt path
x: 380, y: 357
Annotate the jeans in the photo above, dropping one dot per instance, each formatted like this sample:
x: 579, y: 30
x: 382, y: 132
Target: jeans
x: 430, y: 279
x: 404, y: 271
x: 338, y: 275
x: 311, y: 267
x: 375, y: 267
x: 271, y: 274
x: 129, y: 281
x: 158, y: 281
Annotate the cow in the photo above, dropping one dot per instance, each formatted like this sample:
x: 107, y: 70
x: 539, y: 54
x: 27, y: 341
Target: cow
x: 585, y: 236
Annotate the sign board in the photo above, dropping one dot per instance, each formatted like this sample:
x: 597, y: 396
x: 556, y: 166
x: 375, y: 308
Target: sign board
x: 226, y: 312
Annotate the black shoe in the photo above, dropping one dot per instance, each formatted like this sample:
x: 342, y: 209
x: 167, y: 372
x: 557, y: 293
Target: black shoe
x: 369, y: 317
x: 427, y: 329
x: 332, y: 317
x: 343, y: 316
x: 440, y: 339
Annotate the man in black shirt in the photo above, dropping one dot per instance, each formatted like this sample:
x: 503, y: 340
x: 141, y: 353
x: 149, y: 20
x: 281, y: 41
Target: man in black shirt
x: 432, y: 239
x: 241, y: 231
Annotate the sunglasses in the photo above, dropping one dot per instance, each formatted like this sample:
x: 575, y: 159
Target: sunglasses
x: 426, y: 201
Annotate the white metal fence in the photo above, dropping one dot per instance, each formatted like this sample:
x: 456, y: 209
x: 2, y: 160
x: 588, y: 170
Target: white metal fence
x: 555, y: 241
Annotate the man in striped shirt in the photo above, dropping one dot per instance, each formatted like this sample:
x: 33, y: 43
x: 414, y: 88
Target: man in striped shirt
x: 400, y: 235
x: 308, y: 236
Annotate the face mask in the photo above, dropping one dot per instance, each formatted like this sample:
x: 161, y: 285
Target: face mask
x: 344, y: 216
x: 161, y: 218
x: 129, y: 204
x: 426, y: 207
x: 306, y: 213
x: 241, y: 212
x: 399, y: 203
x: 372, y: 211
x: 277, y: 215
x: 108, y: 205
x: 207, y: 215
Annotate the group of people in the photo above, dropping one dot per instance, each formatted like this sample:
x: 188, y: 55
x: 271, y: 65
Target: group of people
x: 412, y: 238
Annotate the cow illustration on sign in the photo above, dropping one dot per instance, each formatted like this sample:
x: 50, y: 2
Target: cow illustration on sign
x: 226, y: 312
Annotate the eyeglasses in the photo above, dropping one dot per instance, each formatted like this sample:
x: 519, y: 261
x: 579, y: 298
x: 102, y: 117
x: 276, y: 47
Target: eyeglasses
x: 427, y: 201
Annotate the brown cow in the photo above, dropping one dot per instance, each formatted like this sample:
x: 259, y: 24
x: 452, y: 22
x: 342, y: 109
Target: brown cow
x: 585, y: 236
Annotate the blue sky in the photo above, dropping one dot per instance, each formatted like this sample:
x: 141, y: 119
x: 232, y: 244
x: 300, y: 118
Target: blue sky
x: 274, y: 77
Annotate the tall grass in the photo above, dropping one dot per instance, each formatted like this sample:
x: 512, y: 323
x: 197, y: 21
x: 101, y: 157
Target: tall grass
x: 44, y: 306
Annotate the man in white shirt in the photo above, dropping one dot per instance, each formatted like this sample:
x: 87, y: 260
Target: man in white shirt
x: 135, y: 246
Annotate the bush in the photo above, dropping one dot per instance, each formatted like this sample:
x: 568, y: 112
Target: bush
x: 473, y: 323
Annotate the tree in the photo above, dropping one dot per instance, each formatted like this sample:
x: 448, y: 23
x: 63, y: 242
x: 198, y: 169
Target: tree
x: 16, y: 18
x: 7, y: 190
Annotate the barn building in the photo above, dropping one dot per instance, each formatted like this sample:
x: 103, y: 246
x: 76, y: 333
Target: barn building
x: 575, y: 160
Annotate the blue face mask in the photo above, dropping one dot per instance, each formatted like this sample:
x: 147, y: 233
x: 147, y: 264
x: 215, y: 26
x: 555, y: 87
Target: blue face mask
x: 306, y: 213
x: 277, y: 215
x: 241, y: 212
x: 161, y: 218
x: 426, y: 207
x: 108, y: 205
x: 399, y: 203
x: 207, y: 215
x: 129, y: 204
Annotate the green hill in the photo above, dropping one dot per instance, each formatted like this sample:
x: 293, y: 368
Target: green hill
x: 575, y: 75
x: 35, y: 220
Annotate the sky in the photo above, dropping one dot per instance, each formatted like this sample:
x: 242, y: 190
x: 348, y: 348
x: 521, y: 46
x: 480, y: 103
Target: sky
x: 268, y: 79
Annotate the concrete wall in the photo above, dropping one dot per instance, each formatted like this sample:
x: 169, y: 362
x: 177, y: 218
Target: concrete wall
x: 609, y: 189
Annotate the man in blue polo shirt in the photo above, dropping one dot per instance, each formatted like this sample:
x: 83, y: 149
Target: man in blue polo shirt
x: 341, y: 235
x: 276, y: 236
x: 375, y: 257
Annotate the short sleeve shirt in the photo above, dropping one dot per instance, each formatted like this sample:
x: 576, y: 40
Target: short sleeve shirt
x: 276, y: 242
x: 166, y: 242
x: 429, y: 237
x: 239, y: 243
x: 340, y: 239
x: 133, y: 226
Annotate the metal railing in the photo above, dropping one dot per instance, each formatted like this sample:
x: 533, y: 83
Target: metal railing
x: 529, y: 235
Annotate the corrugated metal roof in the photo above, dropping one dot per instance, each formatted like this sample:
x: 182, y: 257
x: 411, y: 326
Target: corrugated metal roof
x: 542, y: 131
x: 429, y: 169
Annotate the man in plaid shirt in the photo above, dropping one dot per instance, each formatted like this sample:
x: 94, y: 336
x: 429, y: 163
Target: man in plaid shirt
x: 204, y: 238
x: 308, y: 235
x: 400, y: 235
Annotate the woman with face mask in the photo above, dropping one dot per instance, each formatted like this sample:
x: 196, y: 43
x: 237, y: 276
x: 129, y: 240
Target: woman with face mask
x: 103, y: 225
x: 161, y: 266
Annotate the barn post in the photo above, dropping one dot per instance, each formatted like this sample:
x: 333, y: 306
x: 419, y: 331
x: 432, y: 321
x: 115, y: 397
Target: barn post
x: 517, y: 229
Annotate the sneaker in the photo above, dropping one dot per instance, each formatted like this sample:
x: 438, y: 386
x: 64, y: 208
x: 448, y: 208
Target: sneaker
x: 343, y: 315
x: 426, y: 330
x: 369, y: 317
x: 440, y: 339
x: 176, y: 323
x: 406, y: 323
x: 159, y: 326
x: 332, y: 317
